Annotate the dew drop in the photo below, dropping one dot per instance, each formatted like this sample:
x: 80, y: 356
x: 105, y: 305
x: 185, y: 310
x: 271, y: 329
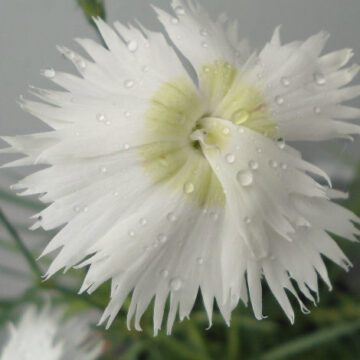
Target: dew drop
x: 132, y: 45
x: 103, y: 169
x: 319, y: 78
x: 283, y: 166
x: 279, y: 100
x: 146, y: 69
x: 127, y: 113
x: 259, y: 150
x: 317, y: 110
x: 108, y: 122
x: 129, y: 83
x: 281, y: 143
x: 245, y: 177
x: 100, y: 117
x: 49, y: 73
x: 86, y: 209
x: 132, y: 233
x: 126, y: 146
x: 164, y: 273
x: 273, y: 164
x: 230, y: 158
x: 253, y: 165
x: 285, y: 81
x: 180, y: 10
x: 116, y: 193
x: 203, y: 32
x: 171, y: 217
x: 240, y: 116
x: 226, y: 131
x: 162, y: 238
x: 175, y: 20
x: 200, y: 261
x: 206, y: 69
x: 247, y: 220
x: 176, y: 284
x: 189, y: 188
x: 81, y: 63
x: 77, y: 209
x: 143, y: 222
x: 241, y: 130
x: 204, y: 44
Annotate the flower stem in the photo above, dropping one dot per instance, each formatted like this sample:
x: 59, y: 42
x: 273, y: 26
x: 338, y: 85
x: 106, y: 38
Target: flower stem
x: 14, y: 234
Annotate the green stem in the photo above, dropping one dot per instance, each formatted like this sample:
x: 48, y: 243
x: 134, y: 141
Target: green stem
x: 13, y: 233
x: 13, y: 272
x: 69, y: 292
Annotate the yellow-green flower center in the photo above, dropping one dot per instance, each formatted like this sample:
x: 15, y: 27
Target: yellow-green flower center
x: 180, y: 112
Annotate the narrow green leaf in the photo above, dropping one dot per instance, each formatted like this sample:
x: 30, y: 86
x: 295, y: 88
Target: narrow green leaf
x: 307, y: 342
x: 25, y: 251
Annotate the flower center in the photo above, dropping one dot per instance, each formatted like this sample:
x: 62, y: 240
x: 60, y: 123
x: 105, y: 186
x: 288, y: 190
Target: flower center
x: 182, y: 118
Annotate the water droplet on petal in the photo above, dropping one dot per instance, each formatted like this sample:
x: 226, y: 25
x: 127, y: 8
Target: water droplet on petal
x: 176, y: 284
x: 203, y: 32
x: 285, y: 81
x: 86, y: 209
x: 189, y: 188
x: 241, y: 130
x: 171, y: 217
x: 245, y: 177
x: 103, y: 169
x: 132, y: 233
x: 319, y: 78
x: 132, y: 45
x: 81, y: 63
x: 281, y: 143
x: 283, y: 166
x: 164, y: 273
x: 116, y: 193
x: 127, y: 113
x: 253, y: 165
x: 100, y: 117
x: 226, y: 131
x: 200, y: 260
x: 204, y: 44
x: 175, y: 20
x: 240, y: 116
x: 206, y: 69
x: 273, y: 163
x: 145, y: 69
x: 49, y: 73
x: 259, y: 150
x: 230, y: 158
x: 129, y: 83
x: 126, y: 146
x: 77, y: 208
x: 279, y: 100
x: 317, y: 110
x: 143, y: 221
x: 162, y: 238
x: 180, y: 10
x: 247, y: 220
x: 108, y: 122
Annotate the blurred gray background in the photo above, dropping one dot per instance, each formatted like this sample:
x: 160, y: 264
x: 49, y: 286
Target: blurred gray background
x: 30, y: 30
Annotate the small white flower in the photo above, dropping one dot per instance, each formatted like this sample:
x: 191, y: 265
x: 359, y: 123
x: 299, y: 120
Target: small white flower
x: 168, y: 185
x: 46, y: 336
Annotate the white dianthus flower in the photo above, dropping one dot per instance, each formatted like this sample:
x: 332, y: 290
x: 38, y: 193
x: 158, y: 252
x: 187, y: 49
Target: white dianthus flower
x: 46, y: 336
x: 170, y: 185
